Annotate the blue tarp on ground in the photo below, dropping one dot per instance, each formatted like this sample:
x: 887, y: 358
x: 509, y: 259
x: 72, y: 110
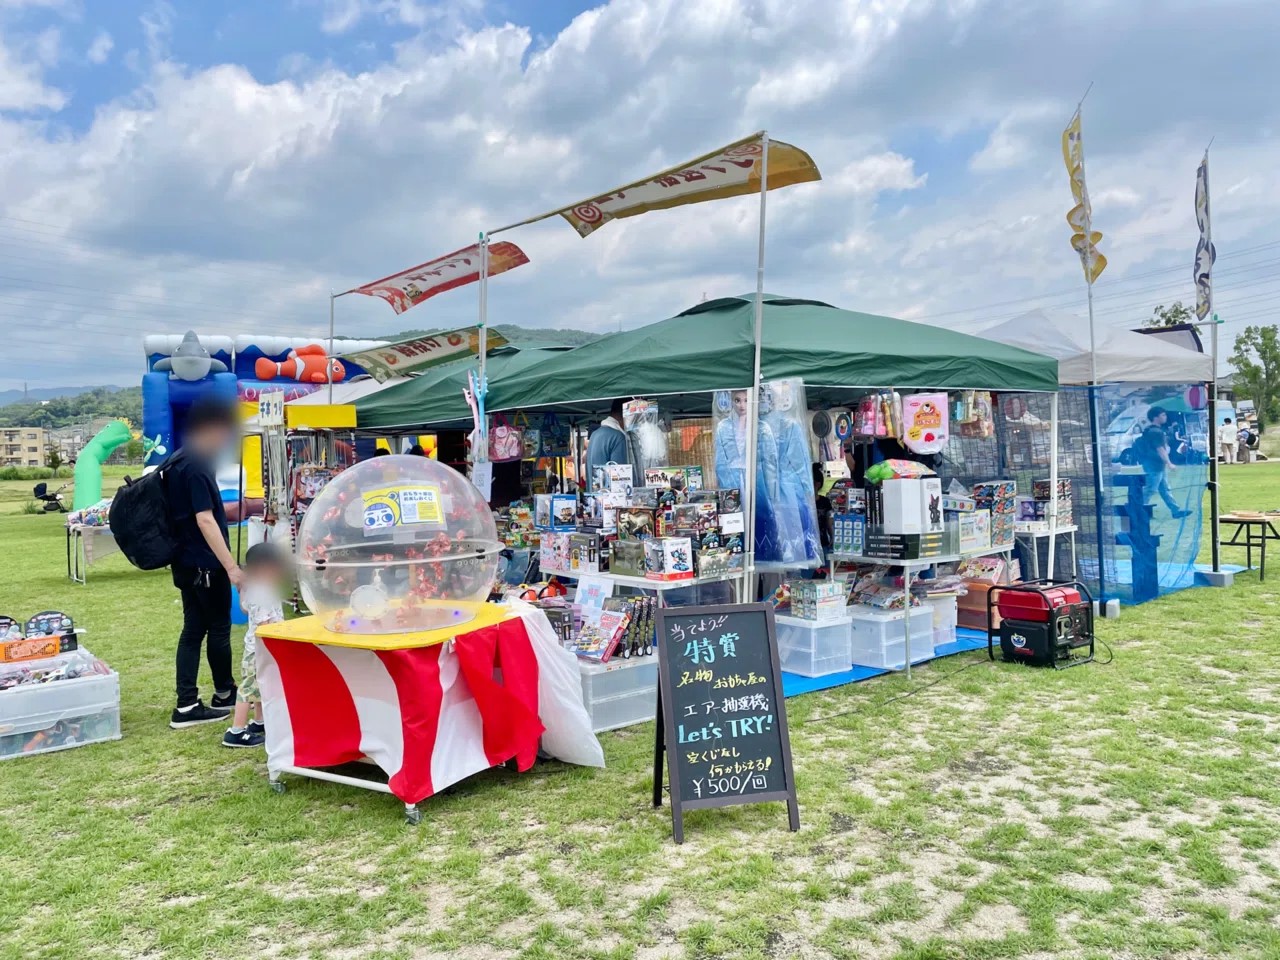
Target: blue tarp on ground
x: 794, y: 684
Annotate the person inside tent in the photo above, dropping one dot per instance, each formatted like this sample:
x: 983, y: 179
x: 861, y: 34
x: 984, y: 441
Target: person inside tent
x: 608, y: 444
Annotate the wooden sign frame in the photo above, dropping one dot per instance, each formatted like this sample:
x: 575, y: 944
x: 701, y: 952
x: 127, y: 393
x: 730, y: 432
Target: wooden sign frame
x: 665, y: 732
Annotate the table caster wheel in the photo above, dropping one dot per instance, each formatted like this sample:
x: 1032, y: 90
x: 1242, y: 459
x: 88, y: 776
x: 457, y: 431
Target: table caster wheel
x: 277, y: 786
x: 412, y: 816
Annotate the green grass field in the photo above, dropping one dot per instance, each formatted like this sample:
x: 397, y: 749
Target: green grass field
x: 1129, y: 810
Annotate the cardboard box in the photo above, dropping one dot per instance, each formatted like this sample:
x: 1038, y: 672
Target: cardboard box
x: 729, y: 500
x: 636, y: 523
x: 564, y: 512
x: 669, y: 558
x: 931, y: 504
x: 902, y: 506
x: 974, y: 531
x: 627, y: 558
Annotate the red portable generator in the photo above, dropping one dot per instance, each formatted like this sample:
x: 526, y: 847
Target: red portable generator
x: 1043, y: 623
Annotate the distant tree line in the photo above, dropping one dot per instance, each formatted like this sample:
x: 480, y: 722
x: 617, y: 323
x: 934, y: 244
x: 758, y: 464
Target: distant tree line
x: 123, y: 403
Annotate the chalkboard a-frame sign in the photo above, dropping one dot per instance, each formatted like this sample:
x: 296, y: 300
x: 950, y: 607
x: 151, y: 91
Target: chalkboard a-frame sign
x: 721, y: 714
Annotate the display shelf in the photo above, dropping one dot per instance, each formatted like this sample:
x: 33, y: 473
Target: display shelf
x: 1041, y: 533
x: 922, y: 561
x: 644, y: 583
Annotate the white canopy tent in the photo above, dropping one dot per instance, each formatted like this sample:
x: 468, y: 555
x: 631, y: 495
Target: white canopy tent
x: 1122, y: 355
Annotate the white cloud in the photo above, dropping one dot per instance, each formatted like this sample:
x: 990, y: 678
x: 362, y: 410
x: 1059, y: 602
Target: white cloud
x: 100, y: 49
x: 212, y: 198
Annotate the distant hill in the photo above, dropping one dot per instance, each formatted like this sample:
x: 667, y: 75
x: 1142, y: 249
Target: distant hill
x: 47, y: 393
x: 64, y: 411
x: 516, y: 334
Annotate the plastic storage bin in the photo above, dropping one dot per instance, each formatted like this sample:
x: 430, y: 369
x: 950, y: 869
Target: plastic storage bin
x: 879, y: 637
x: 60, y: 714
x: 945, y: 617
x: 813, y: 648
x: 620, y: 693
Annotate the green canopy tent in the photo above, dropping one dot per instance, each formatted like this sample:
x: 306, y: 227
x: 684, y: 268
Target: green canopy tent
x: 435, y: 397
x: 710, y: 347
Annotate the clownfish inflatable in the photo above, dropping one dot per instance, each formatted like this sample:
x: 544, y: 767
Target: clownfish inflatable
x: 307, y: 364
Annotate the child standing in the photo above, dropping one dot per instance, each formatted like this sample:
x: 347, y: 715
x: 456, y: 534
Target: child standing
x: 265, y: 571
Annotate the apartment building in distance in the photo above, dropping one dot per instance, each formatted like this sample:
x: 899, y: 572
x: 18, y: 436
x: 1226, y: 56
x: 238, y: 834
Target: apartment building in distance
x: 22, y: 446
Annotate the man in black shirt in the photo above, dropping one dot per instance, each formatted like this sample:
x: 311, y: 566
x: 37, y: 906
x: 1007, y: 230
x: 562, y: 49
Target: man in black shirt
x: 204, y: 568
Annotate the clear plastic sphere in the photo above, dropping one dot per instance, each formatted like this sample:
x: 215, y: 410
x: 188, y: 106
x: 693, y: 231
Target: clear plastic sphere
x: 394, y: 545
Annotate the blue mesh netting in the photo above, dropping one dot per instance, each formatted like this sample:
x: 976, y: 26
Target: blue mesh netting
x: 1130, y: 545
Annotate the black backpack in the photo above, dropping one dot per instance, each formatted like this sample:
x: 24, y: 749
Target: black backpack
x: 141, y: 521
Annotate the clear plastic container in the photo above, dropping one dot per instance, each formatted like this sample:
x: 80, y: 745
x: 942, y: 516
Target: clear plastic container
x: 397, y: 544
x: 879, y: 637
x: 945, y: 616
x: 617, y: 678
x: 813, y: 648
x: 59, y: 714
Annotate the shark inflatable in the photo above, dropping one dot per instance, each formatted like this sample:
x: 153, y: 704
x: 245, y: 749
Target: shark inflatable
x: 190, y: 361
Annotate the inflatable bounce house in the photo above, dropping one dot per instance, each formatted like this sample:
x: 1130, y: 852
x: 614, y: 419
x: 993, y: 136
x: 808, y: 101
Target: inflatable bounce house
x: 181, y: 369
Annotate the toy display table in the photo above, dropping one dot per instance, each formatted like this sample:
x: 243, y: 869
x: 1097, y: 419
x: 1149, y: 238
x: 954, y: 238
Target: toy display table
x: 1257, y: 528
x: 84, y: 546
x: 429, y: 709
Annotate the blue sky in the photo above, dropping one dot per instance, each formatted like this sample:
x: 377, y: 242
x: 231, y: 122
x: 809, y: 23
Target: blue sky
x: 222, y: 166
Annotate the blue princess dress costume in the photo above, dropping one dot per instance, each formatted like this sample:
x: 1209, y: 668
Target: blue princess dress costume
x: 796, y: 508
x: 731, y: 471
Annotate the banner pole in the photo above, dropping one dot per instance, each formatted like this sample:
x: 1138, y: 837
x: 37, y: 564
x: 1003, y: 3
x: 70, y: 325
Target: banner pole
x: 753, y: 400
x: 329, y: 366
x: 482, y: 386
x: 1214, y: 532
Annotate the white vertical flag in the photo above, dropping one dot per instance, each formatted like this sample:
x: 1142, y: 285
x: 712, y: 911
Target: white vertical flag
x: 1205, y: 252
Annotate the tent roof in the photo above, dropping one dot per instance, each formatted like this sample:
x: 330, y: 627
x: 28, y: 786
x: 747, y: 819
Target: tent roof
x: 434, y: 397
x: 709, y: 347
x: 1122, y: 355
x: 349, y: 391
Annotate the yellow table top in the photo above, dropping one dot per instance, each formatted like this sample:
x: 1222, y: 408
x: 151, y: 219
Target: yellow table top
x: 312, y: 630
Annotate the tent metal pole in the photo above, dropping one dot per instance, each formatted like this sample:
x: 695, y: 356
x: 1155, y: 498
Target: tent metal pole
x: 329, y: 365
x: 1053, y: 484
x: 1098, y: 495
x: 753, y: 399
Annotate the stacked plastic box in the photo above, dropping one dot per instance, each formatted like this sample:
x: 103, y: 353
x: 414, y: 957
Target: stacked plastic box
x: 945, y: 614
x: 620, y: 693
x: 879, y: 637
x: 57, y: 714
x: 814, y: 648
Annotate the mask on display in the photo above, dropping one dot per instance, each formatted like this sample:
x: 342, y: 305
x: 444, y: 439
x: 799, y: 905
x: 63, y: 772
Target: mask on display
x: 647, y: 432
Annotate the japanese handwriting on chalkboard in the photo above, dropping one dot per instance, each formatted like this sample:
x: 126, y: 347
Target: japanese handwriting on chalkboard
x: 736, y: 680
x: 680, y: 631
x: 691, y: 709
x: 757, y: 701
x: 697, y: 676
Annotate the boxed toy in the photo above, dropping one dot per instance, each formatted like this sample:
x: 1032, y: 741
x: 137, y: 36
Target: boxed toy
x: 669, y: 558
x: 729, y: 500
x: 627, y: 558
x: 849, y: 533
x: 553, y: 553
x: 901, y: 506
x: 974, y: 531
x: 542, y: 511
x: 635, y: 523
x: 817, y: 599
x: 931, y: 504
x: 585, y: 555
x: 564, y: 512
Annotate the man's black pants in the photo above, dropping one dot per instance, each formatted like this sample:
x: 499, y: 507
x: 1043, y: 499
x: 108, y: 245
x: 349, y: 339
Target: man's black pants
x: 206, y: 612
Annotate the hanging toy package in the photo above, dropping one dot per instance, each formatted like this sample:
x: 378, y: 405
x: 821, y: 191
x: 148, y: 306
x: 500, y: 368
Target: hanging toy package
x: 980, y: 421
x: 647, y: 433
x: 925, y: 423
x: 783, y: 410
